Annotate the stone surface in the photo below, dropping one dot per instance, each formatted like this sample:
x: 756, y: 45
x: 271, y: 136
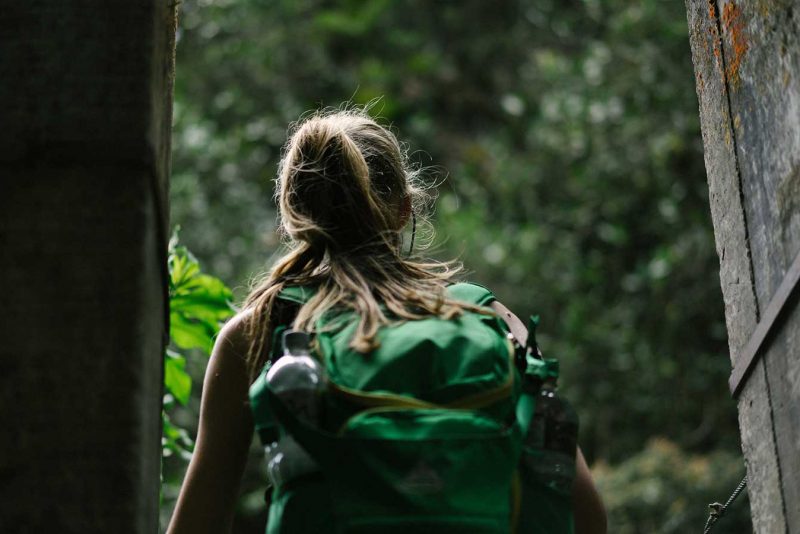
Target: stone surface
x: 763, y: 38
x: 730, y: 229
x: 761, y: 47
x: 783, y: 370
x: 746, y: 78
x: 84, y: 163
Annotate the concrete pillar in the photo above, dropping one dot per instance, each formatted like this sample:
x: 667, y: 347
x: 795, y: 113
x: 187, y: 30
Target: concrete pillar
x: 747, y: 69
x: 85, y: 116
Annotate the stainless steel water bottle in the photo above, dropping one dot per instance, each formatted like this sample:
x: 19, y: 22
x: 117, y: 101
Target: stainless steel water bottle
x: 298, y: 380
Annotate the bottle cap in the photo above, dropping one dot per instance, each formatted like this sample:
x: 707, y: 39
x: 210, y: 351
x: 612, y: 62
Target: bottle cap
x: 296, y: 342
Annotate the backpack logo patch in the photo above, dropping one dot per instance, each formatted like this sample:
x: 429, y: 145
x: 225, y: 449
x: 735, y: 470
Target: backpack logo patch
x: 421, y: 480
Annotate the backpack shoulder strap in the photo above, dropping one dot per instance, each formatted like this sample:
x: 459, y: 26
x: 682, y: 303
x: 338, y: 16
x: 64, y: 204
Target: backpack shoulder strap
x: 472, y: 293
x: 515, y: 325
x: 477, y: 294
x: 297, y: 294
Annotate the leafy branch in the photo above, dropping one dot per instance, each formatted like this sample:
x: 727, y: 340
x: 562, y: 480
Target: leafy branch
x: 199, y: 304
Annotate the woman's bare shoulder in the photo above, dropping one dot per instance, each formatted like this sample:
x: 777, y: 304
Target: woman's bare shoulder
x: 233, y: 337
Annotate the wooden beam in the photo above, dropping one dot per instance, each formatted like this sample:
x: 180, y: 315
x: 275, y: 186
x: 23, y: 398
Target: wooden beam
x: 770, y: 321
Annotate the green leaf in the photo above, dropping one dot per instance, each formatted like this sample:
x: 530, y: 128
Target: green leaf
x: 191, y: 333
x: 182, y: 267
x: 205, y: 298
x: 198, y: 302
x: 176, y: 379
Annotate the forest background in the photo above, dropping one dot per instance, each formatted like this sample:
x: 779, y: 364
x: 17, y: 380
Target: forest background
x: 563, y: 139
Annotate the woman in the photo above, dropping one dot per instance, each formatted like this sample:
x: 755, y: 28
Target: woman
x: 345, y: 193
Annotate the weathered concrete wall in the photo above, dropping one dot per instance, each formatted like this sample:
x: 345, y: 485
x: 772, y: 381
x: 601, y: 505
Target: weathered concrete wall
x: 84, y: 161
x: 747, y: 68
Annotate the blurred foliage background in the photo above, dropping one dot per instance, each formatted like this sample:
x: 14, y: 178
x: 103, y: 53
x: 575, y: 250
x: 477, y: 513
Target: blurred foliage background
x: 563, y: 138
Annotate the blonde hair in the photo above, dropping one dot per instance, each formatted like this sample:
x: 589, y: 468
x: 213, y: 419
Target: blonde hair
x: 345, y: 190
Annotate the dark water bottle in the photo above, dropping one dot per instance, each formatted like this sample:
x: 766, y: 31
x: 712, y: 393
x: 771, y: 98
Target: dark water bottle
x: 553, y: 435
x: 298, y: 379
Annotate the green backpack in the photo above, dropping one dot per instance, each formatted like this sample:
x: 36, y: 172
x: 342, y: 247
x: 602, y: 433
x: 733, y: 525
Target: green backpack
x: 425, y: 432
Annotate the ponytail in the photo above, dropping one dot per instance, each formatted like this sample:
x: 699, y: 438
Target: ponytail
x: 344, y: 188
